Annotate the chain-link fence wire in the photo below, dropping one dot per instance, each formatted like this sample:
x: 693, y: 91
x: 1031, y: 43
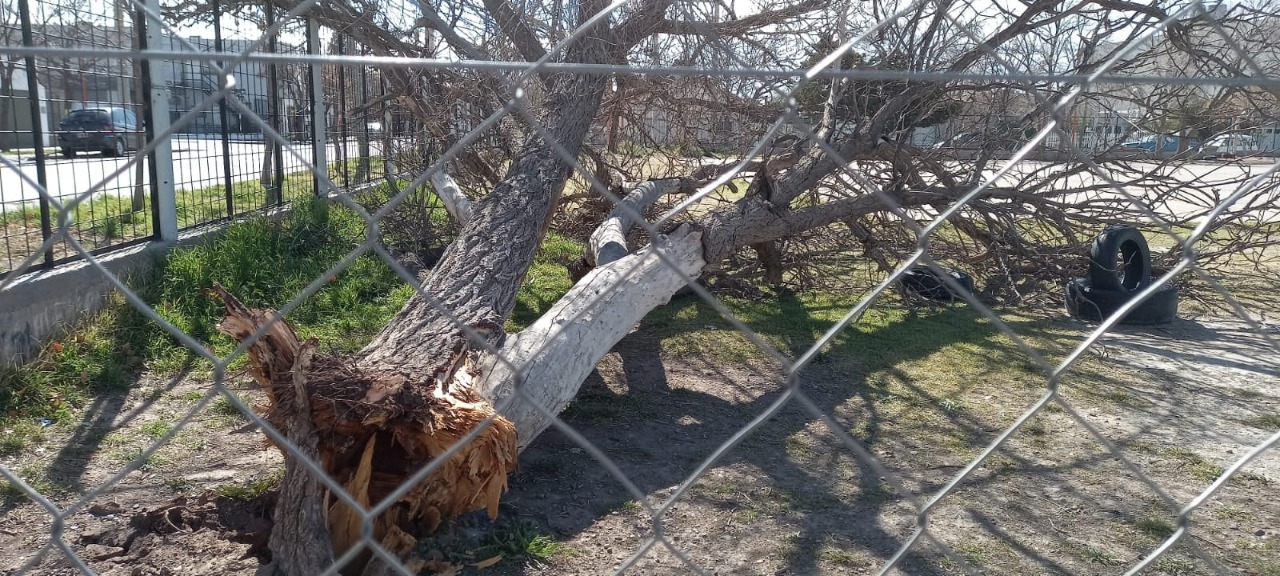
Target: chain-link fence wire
x: 282, y: 124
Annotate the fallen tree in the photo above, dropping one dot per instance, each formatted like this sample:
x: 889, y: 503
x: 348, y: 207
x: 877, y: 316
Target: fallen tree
x: 443, y: 385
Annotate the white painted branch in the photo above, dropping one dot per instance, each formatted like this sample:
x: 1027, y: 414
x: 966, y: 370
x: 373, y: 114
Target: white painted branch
x: 454, y: 201
x: 609, y: 240
x: 562, y: 347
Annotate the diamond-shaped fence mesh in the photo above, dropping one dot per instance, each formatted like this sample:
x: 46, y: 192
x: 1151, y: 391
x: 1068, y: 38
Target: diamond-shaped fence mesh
x: 826, y: 393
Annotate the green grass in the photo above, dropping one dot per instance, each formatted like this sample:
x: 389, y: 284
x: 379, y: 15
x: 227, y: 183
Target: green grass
x: 515, y: 540
x: 520, y: 539
x: 48, y: 152
x: 108, y: 219
x: 248, y: 491
x: 265, y: 262
x: 1155, y: 527
x: 1195, y: 465
x: 546, y: 281
x: 1265, y: 421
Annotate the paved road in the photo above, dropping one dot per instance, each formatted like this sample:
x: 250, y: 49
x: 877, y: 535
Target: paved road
x: 197, y: 163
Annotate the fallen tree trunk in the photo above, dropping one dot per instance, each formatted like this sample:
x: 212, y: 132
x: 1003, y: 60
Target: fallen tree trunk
x: 549, y: 360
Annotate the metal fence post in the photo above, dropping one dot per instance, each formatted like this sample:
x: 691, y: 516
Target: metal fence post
x: 222, y: 115
x: 315, y: 77
x: 155, y: 81
x: 37, y: 128
x: 275, y: 191
x: 344, y: 123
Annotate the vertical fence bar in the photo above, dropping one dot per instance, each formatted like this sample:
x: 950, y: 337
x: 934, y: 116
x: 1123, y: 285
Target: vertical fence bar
x: 222, y: 113
x: 319, y: 130
x: 37, y: 129
x: 363, y: 147
x: 156, y: 92
x: 275, y: 190
x: 344, y: 123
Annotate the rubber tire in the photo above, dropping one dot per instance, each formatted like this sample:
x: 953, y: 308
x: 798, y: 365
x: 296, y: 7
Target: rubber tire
x: 118, y: 150
x: 1088, y: 302
x: 923, y: 281
x: 1103, y: 268
x: 68, y: 153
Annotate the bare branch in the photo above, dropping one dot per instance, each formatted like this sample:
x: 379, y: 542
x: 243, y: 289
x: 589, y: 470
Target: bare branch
x: 516, y: 29
x: 454, y: 201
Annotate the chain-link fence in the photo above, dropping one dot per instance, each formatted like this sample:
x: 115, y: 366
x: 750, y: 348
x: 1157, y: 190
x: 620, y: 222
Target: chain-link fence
x: 765, y: 123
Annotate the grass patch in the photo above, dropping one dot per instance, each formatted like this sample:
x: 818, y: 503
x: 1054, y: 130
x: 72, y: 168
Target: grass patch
x: 837, y: 556
x: 974, y: 553
x: 20, y: 434
x: 520, y: 539
x: 265, y: 262
x: 179, y: 484
x: 514, y: 540
x: 1265, y: 421
x: 155, y: 429
x: 222, y: 406
x: 1155, y: 527
x: 1195, y: 465
x: 546, y: 281
x: 252, y: 489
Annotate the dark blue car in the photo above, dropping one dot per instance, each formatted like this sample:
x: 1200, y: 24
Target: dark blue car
x: 112, y: 131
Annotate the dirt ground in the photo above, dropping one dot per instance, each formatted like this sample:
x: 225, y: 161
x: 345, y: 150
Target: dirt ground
x: 1179, y: 402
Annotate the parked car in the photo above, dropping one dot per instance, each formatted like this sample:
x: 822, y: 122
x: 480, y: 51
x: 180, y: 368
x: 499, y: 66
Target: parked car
x: 1230, y: 146
x: 112, y: 131
x: 1165, y: 144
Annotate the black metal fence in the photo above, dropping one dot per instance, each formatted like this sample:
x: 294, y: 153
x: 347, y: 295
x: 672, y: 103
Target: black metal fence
x: 217, y: 164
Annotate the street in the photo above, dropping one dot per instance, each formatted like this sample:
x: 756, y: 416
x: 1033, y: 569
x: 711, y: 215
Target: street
x: 197, y: 163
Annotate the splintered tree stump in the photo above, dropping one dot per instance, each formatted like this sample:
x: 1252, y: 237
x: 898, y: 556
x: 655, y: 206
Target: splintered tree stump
x: 371, y: 431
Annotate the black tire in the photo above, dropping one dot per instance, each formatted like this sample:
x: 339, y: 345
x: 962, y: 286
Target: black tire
x: 68, y: 153
x: 116, y: 150
x: 1132, y: 271
x: 924, y: 282
x: 1088, y: 302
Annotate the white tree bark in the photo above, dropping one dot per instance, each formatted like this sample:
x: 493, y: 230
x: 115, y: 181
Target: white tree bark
x: 565, y: 344
x: 609, y: 241
x: 451, y: 195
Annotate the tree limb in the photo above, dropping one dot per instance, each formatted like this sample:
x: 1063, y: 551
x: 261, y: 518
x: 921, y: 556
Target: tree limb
x: 516, y: 29
x: 609, y: 241
x: 454, y: 201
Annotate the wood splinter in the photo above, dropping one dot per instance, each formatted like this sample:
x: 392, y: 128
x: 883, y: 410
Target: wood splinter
x: 370, y: 430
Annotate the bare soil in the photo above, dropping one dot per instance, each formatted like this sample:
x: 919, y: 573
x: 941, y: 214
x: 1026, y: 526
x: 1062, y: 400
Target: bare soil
x: 1180, y: 403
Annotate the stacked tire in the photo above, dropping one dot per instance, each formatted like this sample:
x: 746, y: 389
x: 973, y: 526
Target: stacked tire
x: 1119, y: 270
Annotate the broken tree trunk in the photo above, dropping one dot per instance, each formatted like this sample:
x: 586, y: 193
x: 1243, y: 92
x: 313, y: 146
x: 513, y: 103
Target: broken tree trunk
x: 370, y: 431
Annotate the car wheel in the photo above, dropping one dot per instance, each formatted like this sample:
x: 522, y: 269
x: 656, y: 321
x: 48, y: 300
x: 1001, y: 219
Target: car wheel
x: 68, y: 153
x: 1088, y: 302
x: 1120, y: 259
x: 117, y: 149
